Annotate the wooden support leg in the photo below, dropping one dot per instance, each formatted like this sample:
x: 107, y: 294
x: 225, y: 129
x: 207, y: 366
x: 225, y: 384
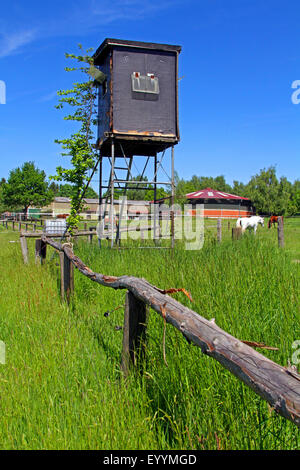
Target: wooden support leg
x: 24, y: 249
x: 91, y: 236
x: 66, y: 277
x: 219, y: 230
x: 236, y: 233
x: 280, y: 232
x: 40, y: 251
x: 135, y: 318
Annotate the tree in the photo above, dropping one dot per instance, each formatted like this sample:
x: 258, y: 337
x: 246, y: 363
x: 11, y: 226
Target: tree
x: 239, y: 188
x: 196, y: 183
x: 80, y: 145
x: 26, y: 186
x: 140, y: 194
x: 54, y: 188
x: 2, y: 183
x: 69, y: 190
x: 137, y: 191
x: 269, y: 195
x: 284, y: 201
x: 295, y: 197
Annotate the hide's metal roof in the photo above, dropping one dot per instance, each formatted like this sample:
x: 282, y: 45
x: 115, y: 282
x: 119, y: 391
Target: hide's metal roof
x: 109, y: 42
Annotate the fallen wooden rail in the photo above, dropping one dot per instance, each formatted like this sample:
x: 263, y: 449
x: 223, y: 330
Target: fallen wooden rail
x: 278, y: 385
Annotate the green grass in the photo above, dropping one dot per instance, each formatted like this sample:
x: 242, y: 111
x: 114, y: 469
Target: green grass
x: 61, y: 386
x: 291, y: 231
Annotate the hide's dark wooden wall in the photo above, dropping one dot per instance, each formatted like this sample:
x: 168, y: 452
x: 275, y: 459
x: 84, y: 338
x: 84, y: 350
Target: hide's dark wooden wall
x: 148, y: 122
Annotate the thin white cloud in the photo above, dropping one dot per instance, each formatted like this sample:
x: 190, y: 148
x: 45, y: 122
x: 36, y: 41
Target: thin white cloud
x: 84, y: 17
x: 114, y: 10
x: 89, y: 16
x: 48, y: 97
x: 11, y: 43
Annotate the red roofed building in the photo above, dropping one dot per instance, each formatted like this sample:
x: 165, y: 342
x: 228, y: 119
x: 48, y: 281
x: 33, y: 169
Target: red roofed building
x: 218, y: 204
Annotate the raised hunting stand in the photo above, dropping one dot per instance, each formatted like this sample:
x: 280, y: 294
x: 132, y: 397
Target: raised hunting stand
x: 137, y: 117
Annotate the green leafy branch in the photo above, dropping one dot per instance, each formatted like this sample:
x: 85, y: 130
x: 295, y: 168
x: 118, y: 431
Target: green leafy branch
x: 80, y: 145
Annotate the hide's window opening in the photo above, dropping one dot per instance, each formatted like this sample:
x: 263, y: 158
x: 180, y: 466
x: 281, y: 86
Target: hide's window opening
x: 144, y: 83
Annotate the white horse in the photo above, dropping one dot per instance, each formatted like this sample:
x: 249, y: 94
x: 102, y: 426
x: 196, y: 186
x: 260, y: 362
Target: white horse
x: 250, y: 222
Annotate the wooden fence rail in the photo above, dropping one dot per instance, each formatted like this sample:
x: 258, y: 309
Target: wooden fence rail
x: 236, y: 233
x: 83, y: 233
x: 278, y: 385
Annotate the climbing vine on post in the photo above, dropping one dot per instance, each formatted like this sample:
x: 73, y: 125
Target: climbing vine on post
x: 80, y: 145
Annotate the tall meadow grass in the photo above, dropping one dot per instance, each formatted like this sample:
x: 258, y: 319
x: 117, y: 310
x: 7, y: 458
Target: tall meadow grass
x: 61, y: 386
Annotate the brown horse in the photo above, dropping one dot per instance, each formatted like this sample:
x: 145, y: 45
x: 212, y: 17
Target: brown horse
x: 273, y: 220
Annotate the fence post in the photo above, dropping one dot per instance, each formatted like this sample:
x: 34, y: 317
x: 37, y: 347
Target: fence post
x: 66, y: 277
x: 280, y: 232
x: 24, y: 249
x: 91, y: 236
x: 236, y: 233
x: 219, y: 230
x: 135, y: 317
x: 40, y: 251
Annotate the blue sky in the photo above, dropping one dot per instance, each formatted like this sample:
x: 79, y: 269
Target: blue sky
x: 238, y: 62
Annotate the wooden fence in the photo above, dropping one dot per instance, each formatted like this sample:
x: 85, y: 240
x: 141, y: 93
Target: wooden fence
x: 236, y: 232
x: 278, y: 385
x: 17, y: 225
